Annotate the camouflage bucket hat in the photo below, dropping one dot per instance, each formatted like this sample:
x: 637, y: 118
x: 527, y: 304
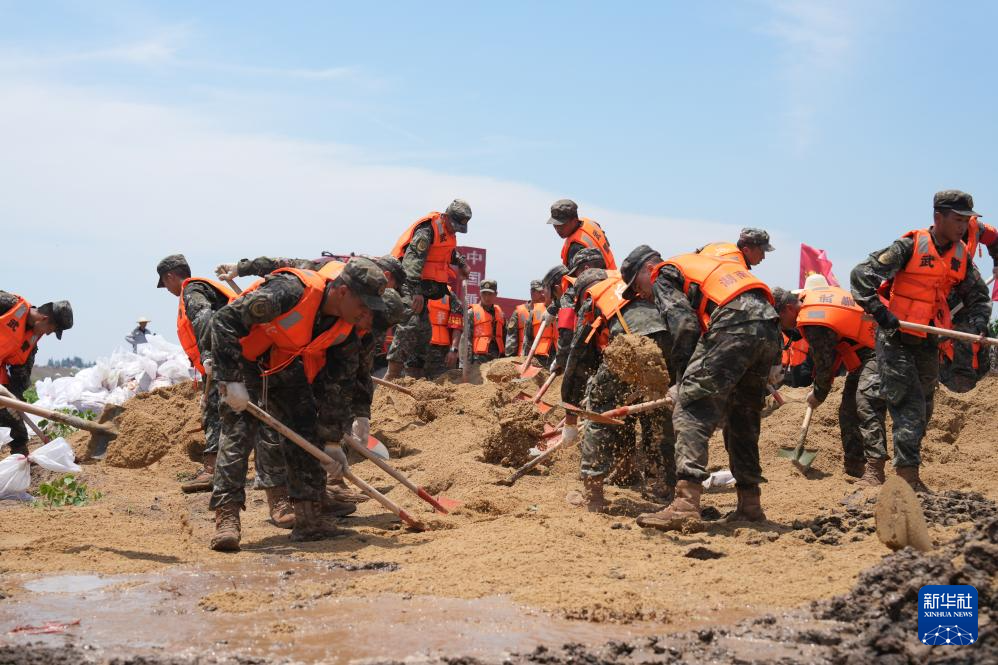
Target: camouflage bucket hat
x: 60, y: 313
x: 589, y: 255
x: 755, y: 237
x: 563, y: 211
x: 367, y: 281
x: 172, y: 262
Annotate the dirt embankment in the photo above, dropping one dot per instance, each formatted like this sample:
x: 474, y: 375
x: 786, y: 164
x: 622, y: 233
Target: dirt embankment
x: 523, y: 542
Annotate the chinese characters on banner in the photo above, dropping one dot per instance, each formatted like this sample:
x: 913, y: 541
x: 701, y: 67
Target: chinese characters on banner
x: 475, y: 257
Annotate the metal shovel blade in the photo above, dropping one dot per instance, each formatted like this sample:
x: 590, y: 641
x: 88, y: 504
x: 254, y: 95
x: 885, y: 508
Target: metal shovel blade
x: 99, y: 440
x: 374, y: 446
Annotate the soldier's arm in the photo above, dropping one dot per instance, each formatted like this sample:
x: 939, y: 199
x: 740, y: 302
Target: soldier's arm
x: 976, y: 299
x: 277, y: 295
x: 528, y: 332
x: 414, y: 259
x: 264, y: 265
x: 822, y: 342
x: 363, y: 386
x: 458, y: 260
x: 867, y: 277
x: 512, y: 335
x: 684, y: 328
x: 20, y: 375
x: 199, y: 303
x: 578, y: 352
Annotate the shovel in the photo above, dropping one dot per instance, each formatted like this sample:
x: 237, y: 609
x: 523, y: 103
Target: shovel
x: 632, y: 409
x: 525, y: 367
x: 232, y: 285
x: 802, y: 459
x: 374, y: 446
x: 439, y: 505
x: 591, y: 416
x: 323, y: 458
x: 946, y: 332
x: 101, y: 432
x: 27, y: 421
x: 393, y: 386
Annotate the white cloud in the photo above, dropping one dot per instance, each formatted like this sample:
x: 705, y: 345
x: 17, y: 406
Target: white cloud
x: 97, y: 190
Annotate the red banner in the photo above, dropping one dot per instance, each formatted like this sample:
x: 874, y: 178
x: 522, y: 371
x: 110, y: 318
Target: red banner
x: 475, y: 258
x: 815, y: 262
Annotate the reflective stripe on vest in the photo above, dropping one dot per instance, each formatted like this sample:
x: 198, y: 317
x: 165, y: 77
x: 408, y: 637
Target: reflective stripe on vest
x: 720, y: 281
x: 185, y: 329
x: 589, y: 234
x: 723, y: 250
x: 439, y: 313
x: 290, y: 335
x: 834, y: 308
x: 919, y: 291
x: 486, y: 329
x: 441, y: 250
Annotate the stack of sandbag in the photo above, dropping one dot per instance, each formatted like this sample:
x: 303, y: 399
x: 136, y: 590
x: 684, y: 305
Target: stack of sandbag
x: 114, y: 380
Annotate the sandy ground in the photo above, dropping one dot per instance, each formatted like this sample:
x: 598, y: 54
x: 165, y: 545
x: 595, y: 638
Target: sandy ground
x: 523, y: 542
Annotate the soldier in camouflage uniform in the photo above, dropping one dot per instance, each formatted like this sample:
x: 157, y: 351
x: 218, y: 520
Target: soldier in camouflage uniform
x: 724, y: 384
x: 441, y: 357
x: 602, y: 444
x: 963, y: 364
x: 21, y: 328
x: 520, y: 329
x: 412, y: 337
x: 286, y: 393
x: 582, y: 260
x: 200, y: 302
x: 488, y: 308
x: 908, y: 362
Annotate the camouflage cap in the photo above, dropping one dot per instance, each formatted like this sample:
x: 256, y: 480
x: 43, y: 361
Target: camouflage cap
x: 391, y: 265
x: 459, y: 213
x: 959, y: 202
x: 554, y: 275
x: 563, y: 211
x: 489, y: 286
x: 782, y: 298
x: 587, y: 279
x: 395, y: 312
x: 536, y: 285
x: 755, y: 237
x: 60, y: 313
x: 636, y: 260
x: 172, y: 262
x: 588, y: 257
x: 366, y: 280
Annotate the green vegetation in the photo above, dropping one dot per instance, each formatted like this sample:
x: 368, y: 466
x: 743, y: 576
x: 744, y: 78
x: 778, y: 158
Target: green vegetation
x: 55, y: 430
x: 31, y: 395
x: 65, y: 491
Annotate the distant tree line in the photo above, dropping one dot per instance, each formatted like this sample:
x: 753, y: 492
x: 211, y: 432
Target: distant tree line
x: 75, y: 361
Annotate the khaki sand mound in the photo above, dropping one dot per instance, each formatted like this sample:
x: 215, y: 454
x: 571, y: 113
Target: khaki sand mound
x: 154, y: 423
x: 525, y: 542
x: 639, y: 362
x: 519, y: 428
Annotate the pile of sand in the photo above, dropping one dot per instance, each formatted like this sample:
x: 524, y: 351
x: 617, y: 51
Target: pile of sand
x: 518, y: 428
x: 640, y: 363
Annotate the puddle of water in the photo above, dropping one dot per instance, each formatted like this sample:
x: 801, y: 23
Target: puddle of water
x: 67, y: 583
x: 285, y: 609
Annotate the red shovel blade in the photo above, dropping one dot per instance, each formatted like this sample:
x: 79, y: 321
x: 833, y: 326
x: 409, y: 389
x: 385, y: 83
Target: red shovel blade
x: 530, y: 372
x: 448, y: 503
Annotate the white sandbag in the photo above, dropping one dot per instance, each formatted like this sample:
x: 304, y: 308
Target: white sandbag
x: 176, y: 370
x: 718, y: 479
x: 5, y: 436
x: 119, y: 396
x: 15, y: 470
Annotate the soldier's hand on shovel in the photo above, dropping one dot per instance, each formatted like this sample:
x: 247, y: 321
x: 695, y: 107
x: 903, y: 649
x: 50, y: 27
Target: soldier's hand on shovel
x: 338, y: 466
x: 235, y: 395
x: 361, y: 429
x: 812, y: 400
x: 227, y: 270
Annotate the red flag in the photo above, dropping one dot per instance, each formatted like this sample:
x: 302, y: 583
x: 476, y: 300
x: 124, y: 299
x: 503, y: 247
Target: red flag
x: 815, y: 262
x: 994, y: 291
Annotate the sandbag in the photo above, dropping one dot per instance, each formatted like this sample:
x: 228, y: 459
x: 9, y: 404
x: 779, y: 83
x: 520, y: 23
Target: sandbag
x: 15, y: 470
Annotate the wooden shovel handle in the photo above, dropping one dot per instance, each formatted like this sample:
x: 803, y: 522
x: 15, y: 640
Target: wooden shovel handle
x: 803, y: 430
x: 394, y: 473
x: 533, y: 347
x: 631, y: 409
x: 544, y: 388
x: 323, y: 458
x: 64, y: 418
x: 394, y: 386
x: 27, y: 421
x: 232, y: 284
x: 946, y: 332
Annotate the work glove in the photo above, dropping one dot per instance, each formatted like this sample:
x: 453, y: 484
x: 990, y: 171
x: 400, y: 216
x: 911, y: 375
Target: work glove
x: 550, y: 318
x: 776, y: 375
x: 361, y: 429
x: 338, y: 466
x: 230, y: 270
x: 569, y: 435
x: 673, y: 393
x: 812, y: 400
x: 235, y: 395
x: 208, y: 365
x: 886, y: 320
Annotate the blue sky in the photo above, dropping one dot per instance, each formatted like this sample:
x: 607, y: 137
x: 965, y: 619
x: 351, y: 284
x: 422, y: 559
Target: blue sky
x: 223, y: 130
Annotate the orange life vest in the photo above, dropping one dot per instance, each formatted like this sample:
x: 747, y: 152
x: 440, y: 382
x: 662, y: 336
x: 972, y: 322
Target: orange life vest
x: 723, y: 250
x: 487, y: 328
x: 720, y: 281
x: 439, y: 313
x: 185, y: 329
x: 794, y: 352
x: 441, y: 250
x: 946, y: 352
x: 608, y: 300
x: 834, y: 308
x: 16, y: 339
x: 522, y: 315
x: 919, y: 291
x: 589, y: 234
x: 549, y: 340
x: 332, y: 269
x: 290, y: 335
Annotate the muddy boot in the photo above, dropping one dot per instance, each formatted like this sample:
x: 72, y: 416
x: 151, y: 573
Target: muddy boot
x: 592, y: 488
x: 660, y: 492
x: 749, y: 508
x: 682, y: 513
x: 340, y: 491
x: 310, y: 524
x: 282, y: 515
x: 855, y: 467
x: 331, y: 505
x: 226, y: 538
x: 910, y: 475
x: 394, y: 370
x: 874, y: 474
x: 202, y: 481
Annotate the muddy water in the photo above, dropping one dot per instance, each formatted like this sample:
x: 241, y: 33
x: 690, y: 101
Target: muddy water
x: 283, y: 609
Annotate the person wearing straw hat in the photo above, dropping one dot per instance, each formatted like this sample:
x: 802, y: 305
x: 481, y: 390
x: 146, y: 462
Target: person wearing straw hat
x: 138, y: 334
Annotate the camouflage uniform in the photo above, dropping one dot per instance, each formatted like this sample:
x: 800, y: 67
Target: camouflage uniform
x: 862, y: 412
x: 201, y: 302
x: 493, y: 352
x: 19, y: 379
x: 412, y: 337
x: 959, y: 374
x: 286, y: 395
x: 909, y: 365
x: 724, y: 385
x: 436, y: 355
